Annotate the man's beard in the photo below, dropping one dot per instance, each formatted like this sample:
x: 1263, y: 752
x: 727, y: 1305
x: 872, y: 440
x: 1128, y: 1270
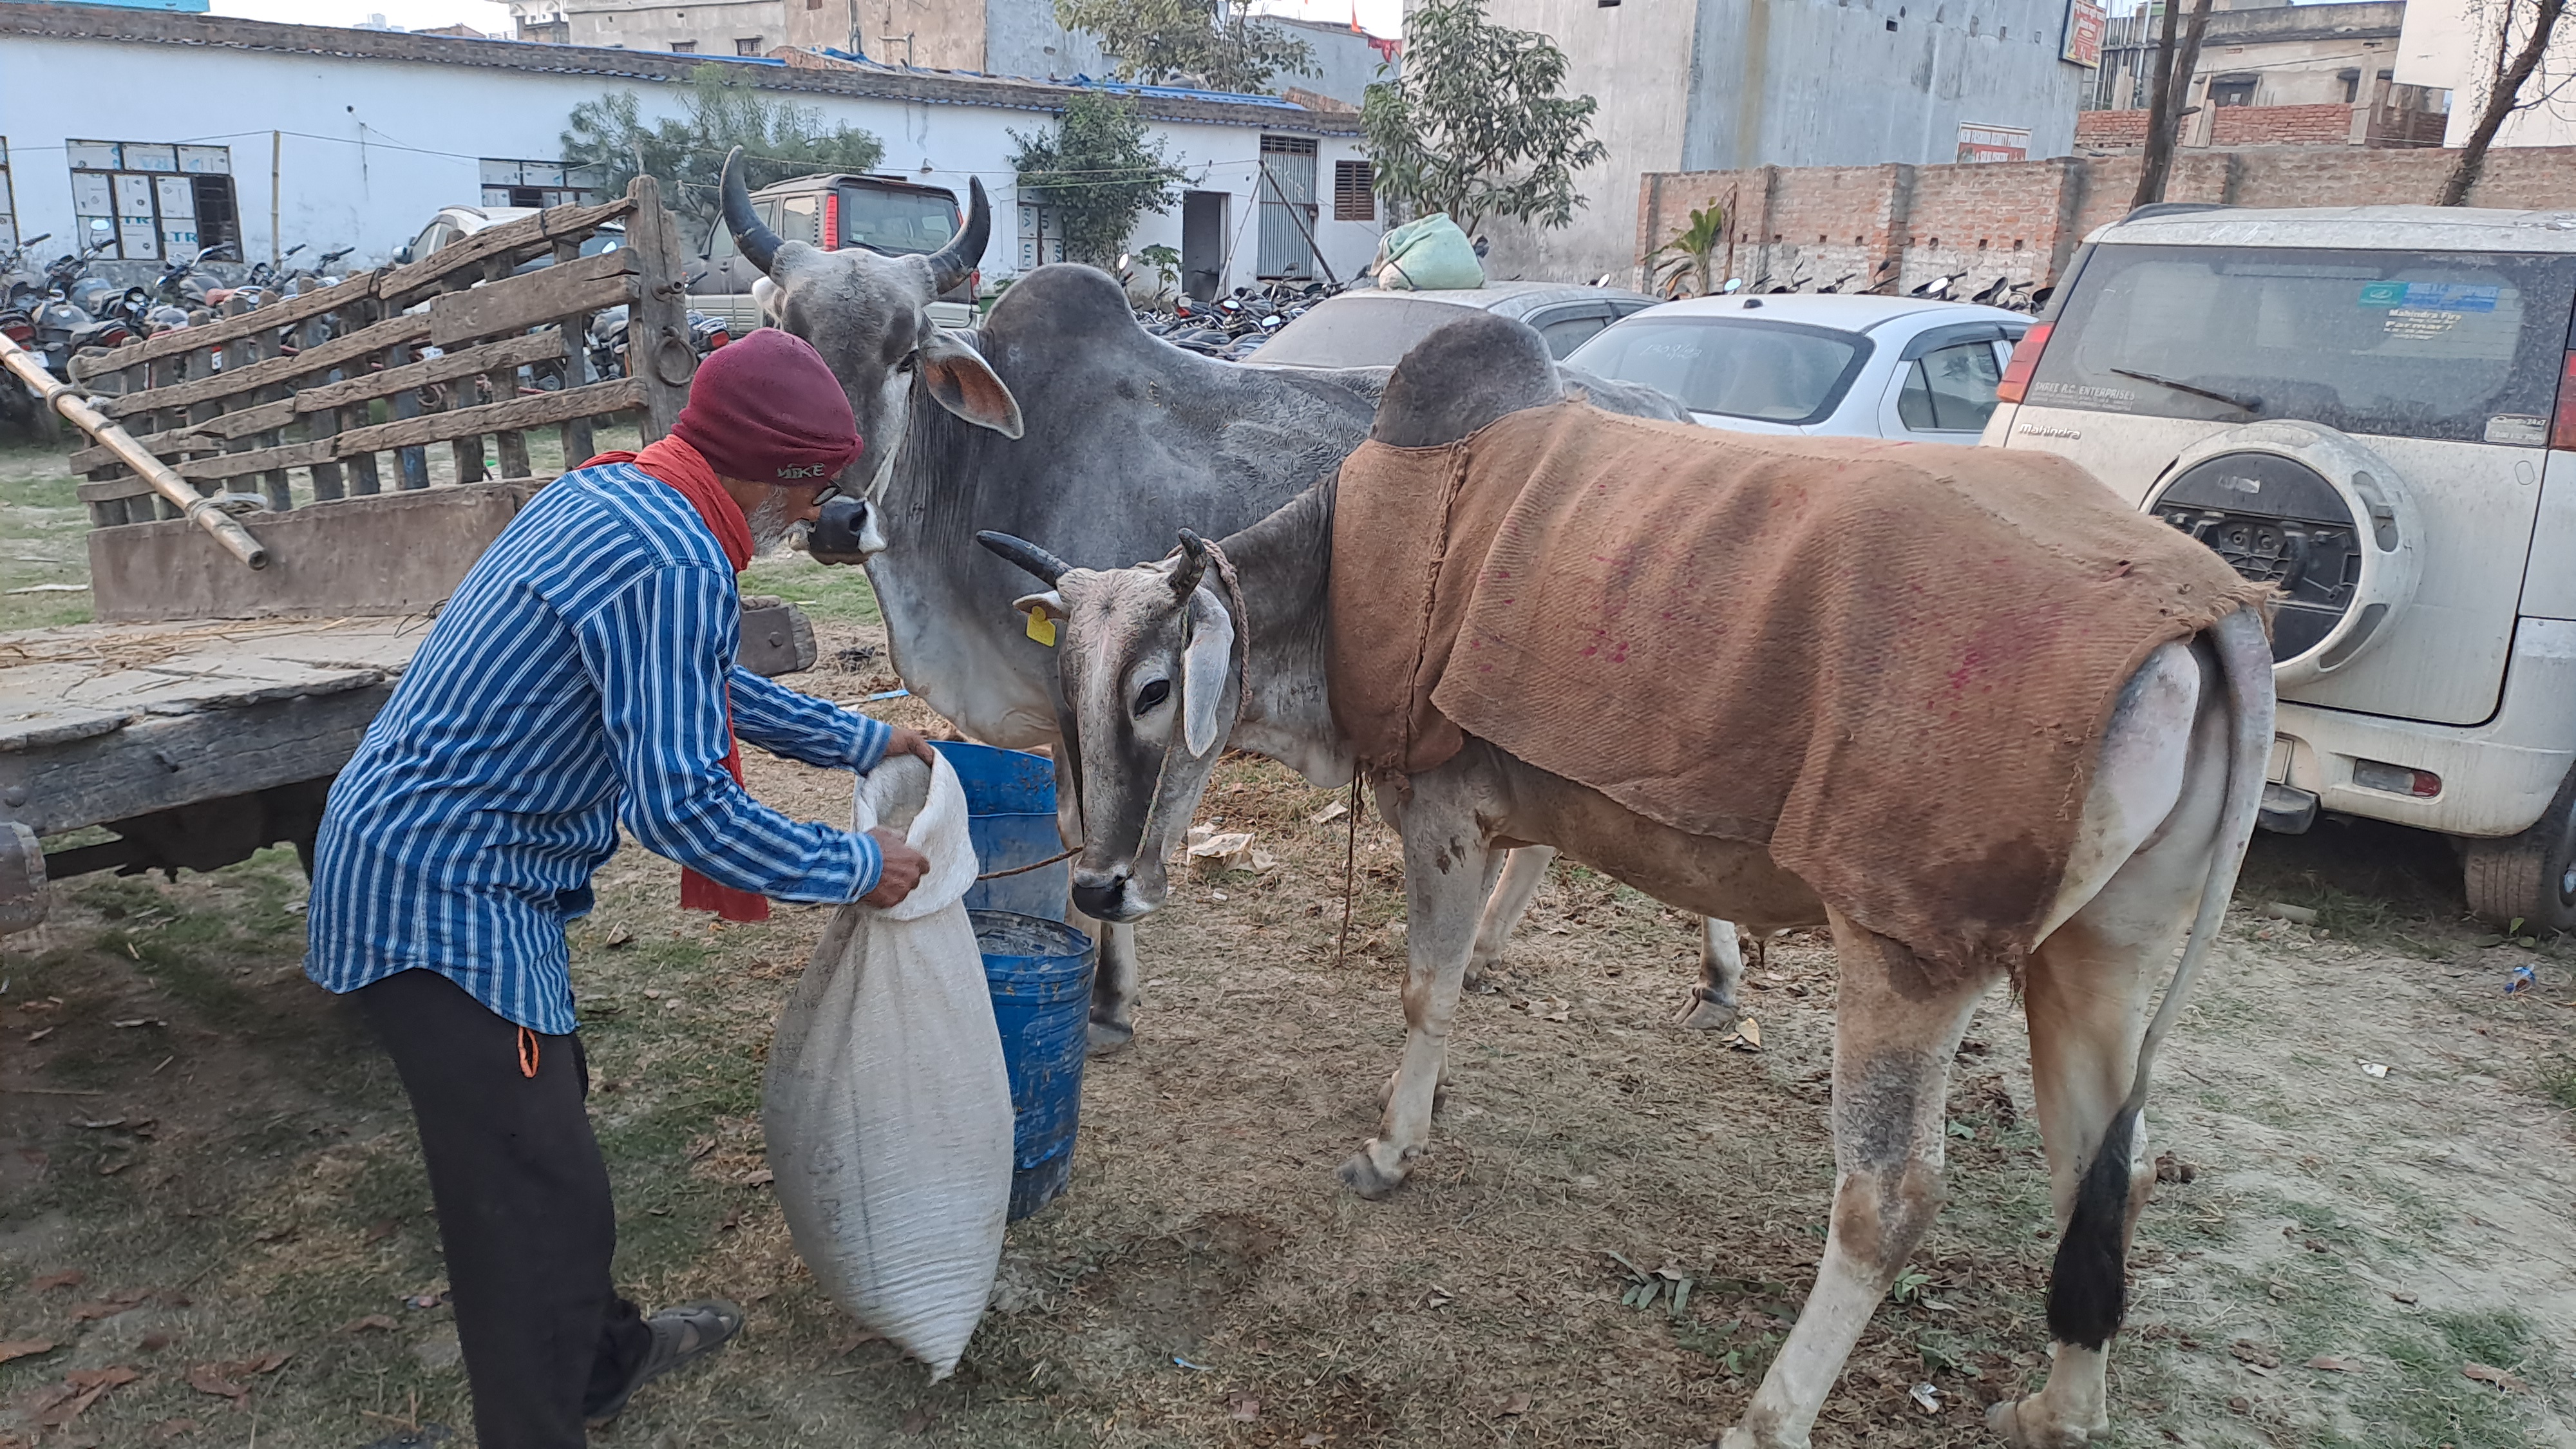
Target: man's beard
x: 770, y: 523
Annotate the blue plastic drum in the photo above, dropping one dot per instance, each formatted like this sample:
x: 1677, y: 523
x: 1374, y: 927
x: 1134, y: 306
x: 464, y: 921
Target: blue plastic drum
x: 1010, y: 815
x: 1040, y: 975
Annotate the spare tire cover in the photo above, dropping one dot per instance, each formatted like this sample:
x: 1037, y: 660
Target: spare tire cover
x: 2312, y: 511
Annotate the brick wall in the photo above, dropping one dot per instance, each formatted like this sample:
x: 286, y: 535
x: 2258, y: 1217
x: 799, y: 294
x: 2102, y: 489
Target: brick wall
x: 2023, y: 219
x: 2328, y: 125
x: 2111, y: 128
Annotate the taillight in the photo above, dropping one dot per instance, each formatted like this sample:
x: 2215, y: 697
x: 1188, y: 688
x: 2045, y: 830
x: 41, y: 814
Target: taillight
x: 2396, y: 779
x: 2025, y: 361
x: 718, y: 338
x: 975, y: 284
x: 20, y: 333
x: 2562, y: 426
x: 831, y: 221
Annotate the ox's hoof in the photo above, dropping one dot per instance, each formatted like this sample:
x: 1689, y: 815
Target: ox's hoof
x: 1110, y: 1036
x: 1705, y: 1013
x: 1363, y: 1176
x: 2024, y: 1424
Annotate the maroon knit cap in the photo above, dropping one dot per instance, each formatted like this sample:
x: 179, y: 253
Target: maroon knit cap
x: 767, y: 409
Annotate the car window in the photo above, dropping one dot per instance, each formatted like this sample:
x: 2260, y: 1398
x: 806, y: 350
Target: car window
x: 431, y: 238
x: 1950, y: 389
x: 1776, y: 372
x: 606, y: 239
x: 1359, y: 331
x: 2460, y: 346
x: 719, y: 242
x: 800, y: 218
x: 1569, y: 328
x: 903, y: 222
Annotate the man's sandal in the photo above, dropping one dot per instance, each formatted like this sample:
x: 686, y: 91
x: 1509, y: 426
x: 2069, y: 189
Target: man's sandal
x: 681, y: 1336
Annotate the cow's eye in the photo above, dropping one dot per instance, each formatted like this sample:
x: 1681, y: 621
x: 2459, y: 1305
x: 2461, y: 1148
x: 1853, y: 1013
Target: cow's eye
x: 1154, y: 693
x: 911, y: 362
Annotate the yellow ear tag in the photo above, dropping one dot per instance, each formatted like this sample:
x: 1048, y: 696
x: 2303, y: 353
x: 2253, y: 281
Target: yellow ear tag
x: 1041, y: 628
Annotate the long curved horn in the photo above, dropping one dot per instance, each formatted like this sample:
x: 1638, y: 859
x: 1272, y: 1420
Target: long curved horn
x: 950, y: 264
x: 1026, y: 554
x: 1194, y: 562
x: 757, y: 243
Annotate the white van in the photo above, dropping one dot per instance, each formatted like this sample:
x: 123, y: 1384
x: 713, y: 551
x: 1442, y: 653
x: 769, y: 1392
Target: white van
x: 2374, y: 407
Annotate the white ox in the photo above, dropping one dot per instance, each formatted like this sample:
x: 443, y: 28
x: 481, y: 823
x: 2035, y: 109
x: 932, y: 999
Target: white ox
x: 1156, y: 689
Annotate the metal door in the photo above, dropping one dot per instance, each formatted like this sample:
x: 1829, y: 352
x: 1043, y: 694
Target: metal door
x: 1203, y: 235
x: 1287, y: 191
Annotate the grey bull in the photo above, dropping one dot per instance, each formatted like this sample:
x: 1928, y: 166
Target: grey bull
x: 1060, y: 418
x: 1167, y: 664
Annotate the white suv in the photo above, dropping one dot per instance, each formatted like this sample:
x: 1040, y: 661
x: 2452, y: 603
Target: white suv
x: 2374, y: 407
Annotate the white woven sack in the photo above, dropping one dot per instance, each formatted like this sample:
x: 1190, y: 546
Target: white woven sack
x: 886, y: 1105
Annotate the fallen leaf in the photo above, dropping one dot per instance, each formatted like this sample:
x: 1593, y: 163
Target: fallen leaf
x: 210, y: 1378
x: 1748, y: 1035
x: 617, y: 936
x: 372, y: 1323
x: 2239, y: 1404
x: 2401, y: 1295
x: 380, y: 1230
x: 763, y: 1178
x: 154, y: 1342
x: 169, y: 1429
x: 916, y: 1422
x: 2495, y: 1376
x: 2334, y: 1365
x: 68, y: 1278
x: 1245, y: 1408
x: 1329, y: 814
x: 1926, y: 1397
x: 23, y: 1348
x: 272, y: 1235
x: 82, y: 1388
x: 122, y: 1300
x: 2255, y: 1354
x: 852, y: 1343
x: 1516, y: 1404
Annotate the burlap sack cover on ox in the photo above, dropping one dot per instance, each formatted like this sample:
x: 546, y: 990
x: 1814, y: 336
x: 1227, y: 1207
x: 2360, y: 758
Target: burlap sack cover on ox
x: 886, y: 1106
x: 1891, y: 663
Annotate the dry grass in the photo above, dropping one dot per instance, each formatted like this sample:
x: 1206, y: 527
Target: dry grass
x: 1207, y: 1283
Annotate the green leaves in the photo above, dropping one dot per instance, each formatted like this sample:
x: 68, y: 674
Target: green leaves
x: 1218, y: 44
x: 778, y: 140
x: 1095, y: 174
x: 1476, y: 127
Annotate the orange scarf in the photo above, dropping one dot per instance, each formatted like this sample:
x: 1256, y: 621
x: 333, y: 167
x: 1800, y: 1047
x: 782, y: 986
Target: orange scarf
x: 680, y: 466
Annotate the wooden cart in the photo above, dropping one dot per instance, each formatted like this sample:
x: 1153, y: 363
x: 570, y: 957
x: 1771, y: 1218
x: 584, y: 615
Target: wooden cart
x: 204, y: 716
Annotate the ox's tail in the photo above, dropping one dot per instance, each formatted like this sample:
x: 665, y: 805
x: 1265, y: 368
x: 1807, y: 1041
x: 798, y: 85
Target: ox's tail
x: 2088, y: 1289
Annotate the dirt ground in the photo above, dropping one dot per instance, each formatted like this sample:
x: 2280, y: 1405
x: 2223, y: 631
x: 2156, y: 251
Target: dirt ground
x: 214, y: 1228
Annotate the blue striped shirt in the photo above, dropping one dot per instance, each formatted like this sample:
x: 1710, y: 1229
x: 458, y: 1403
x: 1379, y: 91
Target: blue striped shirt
x: 578, y: 677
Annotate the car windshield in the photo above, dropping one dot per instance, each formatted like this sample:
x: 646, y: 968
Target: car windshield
x: 896, y: 221
x: 1775, y: 372
x: 1371, y: 331
x: 2458, y: 346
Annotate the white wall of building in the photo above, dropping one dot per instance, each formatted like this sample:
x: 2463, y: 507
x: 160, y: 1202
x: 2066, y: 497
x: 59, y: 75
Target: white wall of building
x: 366, y: 150
x: 2450, y: 45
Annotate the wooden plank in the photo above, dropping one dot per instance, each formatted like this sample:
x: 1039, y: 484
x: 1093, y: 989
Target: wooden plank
x: 157, y: 763
x: 174, y: 442
x: 658, y: 351
x: 618, y: 395
x: 510, y: 352
x: 402, y: 284
x: 108, y: 490
x: 195, y: 338
x: 579, y: 444
x: 520, y: 303
x: 327, y: 483
x: 394, y: 331
x: 258, y: 460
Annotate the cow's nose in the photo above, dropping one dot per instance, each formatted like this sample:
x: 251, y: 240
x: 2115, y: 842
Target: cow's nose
x: 1101, y: 896
x: 835, y: 536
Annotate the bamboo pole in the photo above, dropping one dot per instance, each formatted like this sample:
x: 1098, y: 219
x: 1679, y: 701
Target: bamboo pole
x: 200, y: 509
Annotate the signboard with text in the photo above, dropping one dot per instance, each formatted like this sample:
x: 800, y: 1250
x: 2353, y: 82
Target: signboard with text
x: 1992, y: 143
x: 2084, y: 23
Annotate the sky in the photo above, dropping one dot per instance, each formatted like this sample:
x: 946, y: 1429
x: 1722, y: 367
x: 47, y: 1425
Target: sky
x: 1383, y: 17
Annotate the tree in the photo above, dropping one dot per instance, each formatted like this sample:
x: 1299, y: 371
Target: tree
x: 2165, y: 110
x: 778, y: 140
x: 1217, y: 44
x: 1697, y: 247
x: 2514, y: 64
x: 1095, y: 173
x: 1475, y: 127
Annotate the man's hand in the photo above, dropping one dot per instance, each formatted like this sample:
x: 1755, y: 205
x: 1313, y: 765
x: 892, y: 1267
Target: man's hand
x: 903, y: 865
x: 911, y: 742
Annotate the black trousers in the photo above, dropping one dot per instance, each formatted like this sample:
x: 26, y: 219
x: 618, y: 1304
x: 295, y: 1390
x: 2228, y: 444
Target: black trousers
x: 523, y: 1210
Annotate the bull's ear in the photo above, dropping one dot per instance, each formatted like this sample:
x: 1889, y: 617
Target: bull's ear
x: 1204, y: 666
x: 966, y: 386
x: 1051, y: 601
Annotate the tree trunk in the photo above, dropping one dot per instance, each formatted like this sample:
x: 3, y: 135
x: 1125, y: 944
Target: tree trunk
x: 2502, y: 97
x: 2164, y: 118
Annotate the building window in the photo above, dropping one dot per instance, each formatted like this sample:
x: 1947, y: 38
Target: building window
x: 747, y: 45
x: 1355, y: 189
x: 2232, y: 90
x: 1041, y: 239
x: 546, y: 32
x: 147, y: 202
x: 684, y: 47
x: 538, y: 183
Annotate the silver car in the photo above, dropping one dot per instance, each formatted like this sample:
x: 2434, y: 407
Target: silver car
x: 1375, y: 329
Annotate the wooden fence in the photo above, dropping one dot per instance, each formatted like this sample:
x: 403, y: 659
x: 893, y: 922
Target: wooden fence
x: 248, y: 399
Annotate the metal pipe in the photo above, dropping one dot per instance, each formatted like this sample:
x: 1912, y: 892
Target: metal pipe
x: 200, y: 509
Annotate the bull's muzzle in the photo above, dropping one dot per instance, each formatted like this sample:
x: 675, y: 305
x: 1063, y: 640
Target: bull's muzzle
x: 840, y: 534
x: 1108, y: 895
